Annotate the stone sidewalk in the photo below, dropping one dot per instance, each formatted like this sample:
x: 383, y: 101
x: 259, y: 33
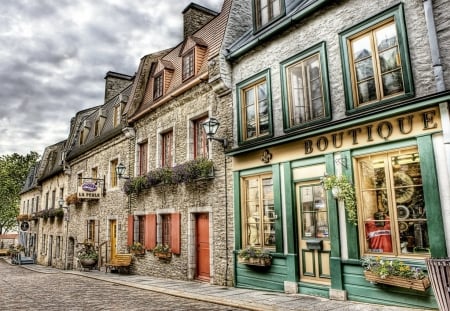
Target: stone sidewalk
x: 229, y: 296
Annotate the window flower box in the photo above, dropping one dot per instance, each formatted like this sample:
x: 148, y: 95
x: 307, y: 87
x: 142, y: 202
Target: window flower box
x: 252, y: 256
x: 379, y: 270
x: 162, y: 252
x: 255, y: 261
x: 420, y: 285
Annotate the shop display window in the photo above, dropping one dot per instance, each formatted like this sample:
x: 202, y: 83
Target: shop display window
x: 391, y: 206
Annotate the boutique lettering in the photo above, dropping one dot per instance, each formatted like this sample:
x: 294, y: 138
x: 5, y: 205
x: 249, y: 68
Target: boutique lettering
x: 381, y: 131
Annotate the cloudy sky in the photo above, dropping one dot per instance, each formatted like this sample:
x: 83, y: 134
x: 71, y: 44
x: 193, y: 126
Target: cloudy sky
x: 54, y: 55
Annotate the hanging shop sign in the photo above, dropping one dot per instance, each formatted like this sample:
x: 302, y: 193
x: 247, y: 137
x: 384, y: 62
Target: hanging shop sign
x: 89, y: 190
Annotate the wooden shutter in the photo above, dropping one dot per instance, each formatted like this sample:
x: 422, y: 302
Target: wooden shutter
x: 175, y: 234
x: 150, y: 231
x: 130, y: 229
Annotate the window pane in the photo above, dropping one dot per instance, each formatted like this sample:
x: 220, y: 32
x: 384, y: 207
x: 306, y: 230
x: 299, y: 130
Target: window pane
x: 361, y: 48
x: 367, y: 91
x: 364, y: 69
x: 392, y: 82
x: 258, y: 212
x: 314, y: 211
x: 263, y: 110
x: 389, y: 60
x: 306, y: 97
x: 392, y: 204
x: 276, y: 7
x: 386, y: 37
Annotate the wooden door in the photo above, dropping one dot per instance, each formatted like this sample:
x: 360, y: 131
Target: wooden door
x: 50, y: 250
x: 314, y: 239
x: 202, y: 246
x: 113, y: 239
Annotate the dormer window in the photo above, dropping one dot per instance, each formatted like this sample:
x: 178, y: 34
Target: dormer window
x: 266, y: 11
x: 81, y: 140
x: 158, y: 86
x: 188, y: 65
x: 117, y: 113
x: 97, y: 128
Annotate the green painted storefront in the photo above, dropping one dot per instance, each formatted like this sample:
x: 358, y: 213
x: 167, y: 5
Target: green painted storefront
x: 291, y: 156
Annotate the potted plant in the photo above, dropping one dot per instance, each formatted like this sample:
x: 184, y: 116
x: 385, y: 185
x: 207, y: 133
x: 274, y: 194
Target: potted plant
x: 72, y: 199
x: 87, y: 255
x: 135, y: 185
x: 137, y: 248
x: 344, y: 190
x: 162, y: 251
x: 254, y: 256
x: 395, y: 273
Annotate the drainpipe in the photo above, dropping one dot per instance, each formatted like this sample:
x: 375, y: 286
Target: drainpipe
x: 440, y: 86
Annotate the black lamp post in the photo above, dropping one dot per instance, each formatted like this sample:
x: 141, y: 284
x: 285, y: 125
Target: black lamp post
x: 120, y: 171
x: 210, y: 127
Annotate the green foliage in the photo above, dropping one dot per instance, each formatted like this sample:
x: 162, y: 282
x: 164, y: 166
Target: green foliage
x: 182, y: 173
x: 384, y: 268
x: 160, y: 248
x: 14, y: 170
x: 87, y: 251
x: 343, y: 190
x: 252, y: 252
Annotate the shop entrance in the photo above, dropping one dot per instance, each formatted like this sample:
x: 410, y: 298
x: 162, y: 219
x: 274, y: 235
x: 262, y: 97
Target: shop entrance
x: 314, y: 238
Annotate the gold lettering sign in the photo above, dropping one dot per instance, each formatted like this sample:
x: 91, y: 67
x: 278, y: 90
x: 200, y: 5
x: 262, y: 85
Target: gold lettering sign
x: 373, y: 133
x: 377, y: 132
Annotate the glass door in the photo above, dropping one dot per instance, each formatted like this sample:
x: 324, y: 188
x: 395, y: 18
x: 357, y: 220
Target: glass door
x: 314, y: 239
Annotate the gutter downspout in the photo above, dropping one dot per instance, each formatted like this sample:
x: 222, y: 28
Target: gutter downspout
x: 443, y: 107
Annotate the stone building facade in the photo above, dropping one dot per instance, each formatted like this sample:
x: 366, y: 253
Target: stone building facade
x: 197, y: 212
x: 315, y: 118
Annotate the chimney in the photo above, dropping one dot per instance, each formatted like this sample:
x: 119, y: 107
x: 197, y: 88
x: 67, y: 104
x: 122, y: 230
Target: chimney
x: 115, y: 83
x: 195, y: 17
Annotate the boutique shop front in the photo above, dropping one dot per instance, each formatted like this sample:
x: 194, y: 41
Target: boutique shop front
x: 282, y: 207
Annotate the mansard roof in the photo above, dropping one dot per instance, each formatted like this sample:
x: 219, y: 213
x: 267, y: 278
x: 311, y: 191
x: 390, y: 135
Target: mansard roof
x: 296, y: 10
x: 107, y: 130
x: 32, y: 178
x: 51, y: 163
x: 209, y: 37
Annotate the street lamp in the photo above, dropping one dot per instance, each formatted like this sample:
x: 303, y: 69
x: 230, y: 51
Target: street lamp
x: 66, y: 218
x: 120, y: 171
x: 210, y: 126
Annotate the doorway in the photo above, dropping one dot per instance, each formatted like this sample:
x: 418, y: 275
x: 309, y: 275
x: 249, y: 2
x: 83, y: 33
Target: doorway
x: 50, y: 251
x: 113, y: 237
x: 314, y: 238
x: 202, y: 246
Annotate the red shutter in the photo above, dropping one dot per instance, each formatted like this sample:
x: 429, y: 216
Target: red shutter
x: 175, y: 234
x: 150, y: 231
x: 130, y: 229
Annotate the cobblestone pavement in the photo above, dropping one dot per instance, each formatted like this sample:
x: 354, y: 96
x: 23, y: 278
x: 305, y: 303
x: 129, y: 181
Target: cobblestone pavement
x: 23, y: 289
x: 36, y: 287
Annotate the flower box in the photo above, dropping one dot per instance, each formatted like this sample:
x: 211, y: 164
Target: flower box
x: 163, y: 255
x: 255, y: 261
x: 420, y: 285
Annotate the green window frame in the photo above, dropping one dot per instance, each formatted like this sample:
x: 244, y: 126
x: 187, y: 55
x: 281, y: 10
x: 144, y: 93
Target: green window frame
x: 255, y: 108
x: 305, y: 88
x: 267, y: 11
x: 376, y: 62
x: 258, y: 212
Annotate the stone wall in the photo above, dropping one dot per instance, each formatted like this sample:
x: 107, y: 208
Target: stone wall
x: 113, y: 206
x: 201, y: 196
x: 325, y: 26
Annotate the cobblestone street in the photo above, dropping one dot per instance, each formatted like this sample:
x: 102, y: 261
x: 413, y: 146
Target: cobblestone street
x: 22, y: 289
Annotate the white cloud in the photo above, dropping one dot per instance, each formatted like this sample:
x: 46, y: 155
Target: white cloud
x: 55, y: 53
